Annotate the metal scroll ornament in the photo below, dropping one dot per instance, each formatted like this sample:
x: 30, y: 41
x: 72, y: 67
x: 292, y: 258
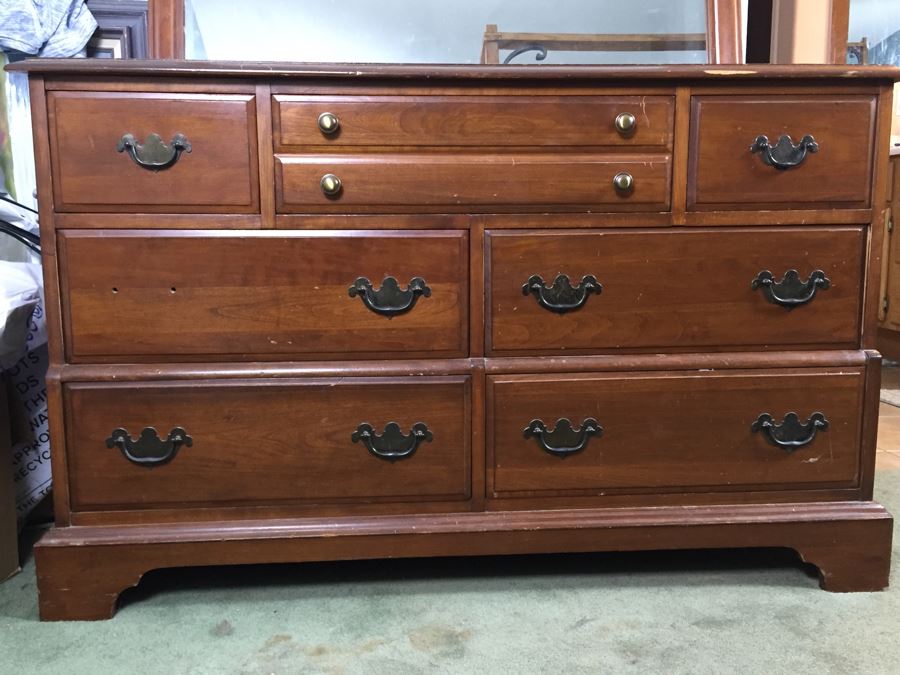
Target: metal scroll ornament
x: 154, y: 154
x: 563, y: 440
x: 562, y: 296
x: 149, y: 449
x: 790, y: 292
x: 392, y: 444
x: 791, y: 433
x: 390, y: 299
x: 784, y: 154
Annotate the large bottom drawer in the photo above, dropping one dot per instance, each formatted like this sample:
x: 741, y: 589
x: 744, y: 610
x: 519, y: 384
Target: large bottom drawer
x: 680, y: 431
x: 162, y: 444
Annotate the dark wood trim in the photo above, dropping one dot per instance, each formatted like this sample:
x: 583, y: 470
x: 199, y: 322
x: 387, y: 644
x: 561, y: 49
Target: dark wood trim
x: 848, y: 541
x: 167, y: 29
x: 437, y: 73
x: 125, y: 20
x: 840, y: 27
x: 723, y: 30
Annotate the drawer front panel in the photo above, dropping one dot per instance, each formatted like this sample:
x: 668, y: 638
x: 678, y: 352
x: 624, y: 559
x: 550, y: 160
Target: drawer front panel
x: 472, y: 121
x: 724, y: 171
x: 458, y: 182
x: 675, y: 288
x: 218, y: 174
x: 257, y: 294
x: 683, y: 431
x: 266, y: 442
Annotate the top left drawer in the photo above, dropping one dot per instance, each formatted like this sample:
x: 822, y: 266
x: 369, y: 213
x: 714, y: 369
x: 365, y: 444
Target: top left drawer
x: 153, y: 152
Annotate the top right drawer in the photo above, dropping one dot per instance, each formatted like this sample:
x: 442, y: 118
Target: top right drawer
x: 817, y: 152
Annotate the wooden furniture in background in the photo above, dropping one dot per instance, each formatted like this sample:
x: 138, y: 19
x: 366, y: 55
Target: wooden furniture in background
x: 889, y: 308
x: 309, y: 312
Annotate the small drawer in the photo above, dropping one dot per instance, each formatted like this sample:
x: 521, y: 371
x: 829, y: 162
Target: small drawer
x: 677, y: 288
x: 460, y: 182
x: 685, y: 431
x: 302, y: 121
x: 728, y: 170
x: 267, y: 442
x: 264, y: 294
x: 186, y: 152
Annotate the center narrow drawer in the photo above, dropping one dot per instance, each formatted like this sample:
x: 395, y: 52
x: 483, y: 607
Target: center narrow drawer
x: 472, y: 121
x: 674, y: 288
x: 271, y: 441
x: 458, y: 182
x: 261, y: 294
x: 690, y: 431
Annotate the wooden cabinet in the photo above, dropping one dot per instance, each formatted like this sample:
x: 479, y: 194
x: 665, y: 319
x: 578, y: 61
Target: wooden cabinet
x: 415, y: 311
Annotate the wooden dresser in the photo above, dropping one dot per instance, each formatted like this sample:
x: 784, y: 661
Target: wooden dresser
x: 303, y: 312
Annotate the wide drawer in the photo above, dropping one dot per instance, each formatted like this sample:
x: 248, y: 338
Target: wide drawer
x: 725, y: 171
x: 163, y: 444
x: 472, y: 121
x: 93, y: 170
x: 459, y: 182
x: 687, y: 431
x: 262, y: 294
x: 674, y: 288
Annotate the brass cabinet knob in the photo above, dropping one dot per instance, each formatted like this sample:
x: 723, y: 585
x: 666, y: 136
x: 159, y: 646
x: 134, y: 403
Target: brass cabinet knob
x: 623, y: 181
x: 330, y: 184
x: 625, y: 123
x: 329, y: 123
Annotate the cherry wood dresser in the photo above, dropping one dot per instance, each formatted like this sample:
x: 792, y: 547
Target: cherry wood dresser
x: 312, y: 312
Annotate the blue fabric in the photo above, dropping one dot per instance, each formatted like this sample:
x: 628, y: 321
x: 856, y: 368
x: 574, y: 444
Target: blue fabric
x: 59, y: 28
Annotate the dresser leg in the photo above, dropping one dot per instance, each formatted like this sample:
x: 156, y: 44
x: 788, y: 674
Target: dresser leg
x: 853, y: 556
x: 81, y: 583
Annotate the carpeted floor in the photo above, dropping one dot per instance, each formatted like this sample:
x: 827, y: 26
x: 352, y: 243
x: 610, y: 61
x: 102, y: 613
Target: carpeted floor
x: 704, y: 612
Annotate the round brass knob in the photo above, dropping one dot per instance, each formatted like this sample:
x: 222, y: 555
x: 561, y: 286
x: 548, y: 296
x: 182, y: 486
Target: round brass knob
x: 625, y: 123
x: 623, y: 181
x: 329, y: 123
x: 330, y: 184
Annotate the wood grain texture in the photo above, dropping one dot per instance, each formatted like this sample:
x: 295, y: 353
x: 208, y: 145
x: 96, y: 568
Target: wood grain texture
x: 219, y: 174
x: 471, y: 121
x: 239, y: 294
x: 668, y: 289
x: 434, y: 73
x: 670, y: 429
x: 244, y: 451
x: 723, y: 171
x: 849, y: 542
x: 460, y: 181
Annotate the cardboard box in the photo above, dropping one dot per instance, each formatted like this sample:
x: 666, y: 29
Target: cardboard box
x: 9, y: 534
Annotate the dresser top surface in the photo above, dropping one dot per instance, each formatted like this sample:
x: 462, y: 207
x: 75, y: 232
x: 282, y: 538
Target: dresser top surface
x: 249, y: 69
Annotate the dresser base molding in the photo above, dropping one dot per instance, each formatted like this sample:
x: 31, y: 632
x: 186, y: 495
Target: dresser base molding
x: 82, y: 571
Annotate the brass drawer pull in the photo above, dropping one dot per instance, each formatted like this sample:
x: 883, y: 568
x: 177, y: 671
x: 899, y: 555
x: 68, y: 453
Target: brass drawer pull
x: 784, y: 154
x: 564, y: 439
x: 392, y: 444
x: 626, y: 123
x: 154, y: 154
x: 331, y: 185
x: 790, y: 292
x: 791, y: 433
x: 149, y: 449
x: 562, y: 297
x: 328, y: 123
x: 390, y: 299
x: 623, y: 182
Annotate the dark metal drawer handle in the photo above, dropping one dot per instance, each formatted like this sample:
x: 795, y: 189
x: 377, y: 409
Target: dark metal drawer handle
x: 390, y: 299
x: 154, y: 154
x: 392, y: 444
x: 564, y: 439
x: 561, y: 297
x: 149, y: 449
x: 784, y: 154
x: 790, y: 292
x: 791, y: 433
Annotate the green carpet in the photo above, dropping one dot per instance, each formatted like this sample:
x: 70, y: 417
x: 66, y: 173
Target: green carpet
x: 685, y: 612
